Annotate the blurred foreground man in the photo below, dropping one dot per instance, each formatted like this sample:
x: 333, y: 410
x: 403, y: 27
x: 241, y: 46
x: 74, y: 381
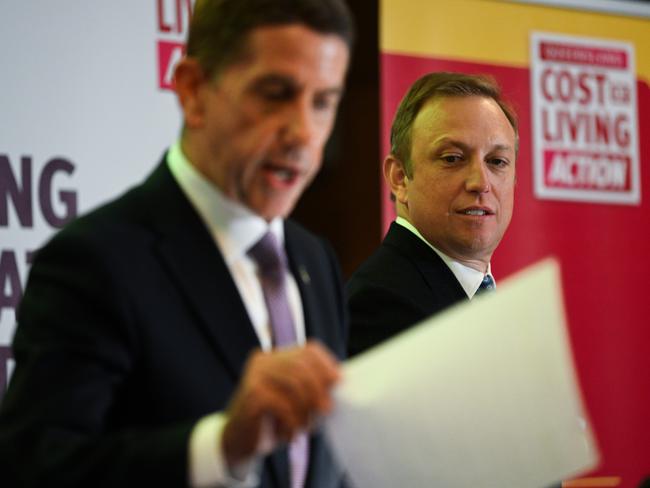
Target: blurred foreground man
x: 186, y: 333
x: 451, y: 171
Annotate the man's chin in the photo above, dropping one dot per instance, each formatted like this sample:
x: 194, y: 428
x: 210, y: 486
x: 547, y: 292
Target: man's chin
x: 477, y: 248
x: 270, y: 211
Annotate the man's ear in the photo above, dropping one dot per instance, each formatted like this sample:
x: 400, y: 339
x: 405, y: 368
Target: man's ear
x: 188, y: 81
x: 396, y: 178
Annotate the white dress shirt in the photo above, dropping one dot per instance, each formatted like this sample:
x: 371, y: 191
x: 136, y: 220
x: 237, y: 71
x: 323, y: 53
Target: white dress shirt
x: 235, y: 229
x: 469, y: 278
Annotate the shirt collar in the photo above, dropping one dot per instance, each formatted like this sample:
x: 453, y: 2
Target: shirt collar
x: 234, y: 227
x: 469, y: 278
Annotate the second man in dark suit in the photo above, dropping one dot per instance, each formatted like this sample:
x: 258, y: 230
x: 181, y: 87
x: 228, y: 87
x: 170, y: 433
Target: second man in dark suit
x: 451, y: 172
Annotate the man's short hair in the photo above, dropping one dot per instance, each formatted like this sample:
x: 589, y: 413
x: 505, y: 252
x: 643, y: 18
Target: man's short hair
x: 439, y: 85
x: 218, y: 28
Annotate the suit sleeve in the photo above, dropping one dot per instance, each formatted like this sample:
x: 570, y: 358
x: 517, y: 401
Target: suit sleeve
x: 75, y: 352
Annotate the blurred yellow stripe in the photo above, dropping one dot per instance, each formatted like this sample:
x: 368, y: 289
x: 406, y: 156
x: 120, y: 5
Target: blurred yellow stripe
x: 603, y: 481
x: 493, y: 31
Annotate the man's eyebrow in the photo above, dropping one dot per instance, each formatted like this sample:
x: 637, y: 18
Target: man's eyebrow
x: 448, y: 141
x: 332, y: 91
x: 502, y: 147
x: 275, y: 79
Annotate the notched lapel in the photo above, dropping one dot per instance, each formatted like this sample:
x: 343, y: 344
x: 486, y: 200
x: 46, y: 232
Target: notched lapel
x: 304, y: 267
x: 209, y: 288
x: 191, y: 256
x: 440, y: 279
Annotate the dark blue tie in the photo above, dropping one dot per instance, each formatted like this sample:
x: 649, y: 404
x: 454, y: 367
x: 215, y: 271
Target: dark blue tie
x: 486, y: 285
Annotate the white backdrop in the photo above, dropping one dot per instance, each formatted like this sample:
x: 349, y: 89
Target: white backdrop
x: 82, y: 118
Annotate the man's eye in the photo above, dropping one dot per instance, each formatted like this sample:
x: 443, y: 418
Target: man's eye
x: 276, y: 93
x: 274, y: 90
x: 499, y: 162
x: 451, y: 158
x: 325, y: 102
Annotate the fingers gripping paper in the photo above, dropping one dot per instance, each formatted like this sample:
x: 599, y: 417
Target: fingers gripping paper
x: 482, y: 395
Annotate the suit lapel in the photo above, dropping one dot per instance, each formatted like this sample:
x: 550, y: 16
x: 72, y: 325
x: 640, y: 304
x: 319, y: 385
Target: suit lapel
x: 303, y: 269
x: 190, y: 255
x: 440, y: 279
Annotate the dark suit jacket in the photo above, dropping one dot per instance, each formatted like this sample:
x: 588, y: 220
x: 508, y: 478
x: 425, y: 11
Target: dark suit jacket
x: 402, y: 283
x: 130, y: 330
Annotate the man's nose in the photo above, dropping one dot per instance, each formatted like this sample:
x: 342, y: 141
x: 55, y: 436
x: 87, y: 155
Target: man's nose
x: 478, y: 177
x: 300, y: 128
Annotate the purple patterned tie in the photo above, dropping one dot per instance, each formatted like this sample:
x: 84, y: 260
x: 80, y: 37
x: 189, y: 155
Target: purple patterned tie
x: 272, y: 262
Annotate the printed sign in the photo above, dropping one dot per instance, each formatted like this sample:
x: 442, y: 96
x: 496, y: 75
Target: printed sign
x: 584, y: 110
x: 103, y: 130
x: 34, y: 198
x: 173, y: 21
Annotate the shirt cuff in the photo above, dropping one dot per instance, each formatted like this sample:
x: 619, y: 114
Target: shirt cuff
x: 207, y: 464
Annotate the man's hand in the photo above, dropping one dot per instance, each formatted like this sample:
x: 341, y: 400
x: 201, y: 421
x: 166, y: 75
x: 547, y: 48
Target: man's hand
x: 288, y: 387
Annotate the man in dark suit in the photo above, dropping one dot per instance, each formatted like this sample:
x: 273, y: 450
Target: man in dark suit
x: 146, y: 341
x: 451, y: 172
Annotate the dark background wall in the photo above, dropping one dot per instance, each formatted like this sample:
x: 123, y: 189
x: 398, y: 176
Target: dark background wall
x: 343, y: 203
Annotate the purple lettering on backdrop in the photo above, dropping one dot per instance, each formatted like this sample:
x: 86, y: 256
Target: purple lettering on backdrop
x: 20, y: 195
x: 68, y: 198
x: 5, y: 356
x: 9, y: 295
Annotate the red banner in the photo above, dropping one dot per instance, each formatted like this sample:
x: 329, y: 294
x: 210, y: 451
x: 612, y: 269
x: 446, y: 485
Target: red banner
x: 588, y: 157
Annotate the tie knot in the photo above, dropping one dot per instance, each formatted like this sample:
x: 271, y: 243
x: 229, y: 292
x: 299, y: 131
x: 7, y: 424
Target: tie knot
x: 486, y: 285
x: 268, y: 254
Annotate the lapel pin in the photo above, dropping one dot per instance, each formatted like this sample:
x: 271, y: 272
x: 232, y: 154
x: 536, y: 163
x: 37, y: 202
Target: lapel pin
x: 304, y: 275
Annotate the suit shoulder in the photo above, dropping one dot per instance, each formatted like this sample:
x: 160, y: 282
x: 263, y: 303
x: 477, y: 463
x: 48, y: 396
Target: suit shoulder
x: 106, y: 223
x: 125, y: 215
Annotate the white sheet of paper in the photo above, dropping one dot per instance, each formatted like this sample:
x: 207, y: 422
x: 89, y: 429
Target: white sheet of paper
x: 481, y: 395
